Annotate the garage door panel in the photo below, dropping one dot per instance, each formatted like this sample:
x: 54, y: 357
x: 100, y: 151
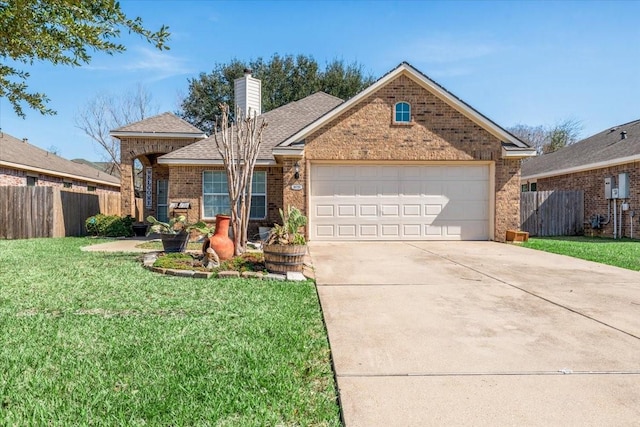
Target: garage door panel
x: 411, y: 210
x: 390, y: 210
x: 393, y: 202
x: 324, y: 211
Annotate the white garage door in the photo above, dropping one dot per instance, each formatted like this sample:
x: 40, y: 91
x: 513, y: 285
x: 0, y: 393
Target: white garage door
x: 399, y: 202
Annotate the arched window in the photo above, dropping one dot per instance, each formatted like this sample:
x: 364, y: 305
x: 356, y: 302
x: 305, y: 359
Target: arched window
x: 402, y: 112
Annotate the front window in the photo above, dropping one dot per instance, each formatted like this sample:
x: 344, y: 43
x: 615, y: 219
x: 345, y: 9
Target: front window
x: 216, y: 194
x: 402, y: 112
x: 32, y: 181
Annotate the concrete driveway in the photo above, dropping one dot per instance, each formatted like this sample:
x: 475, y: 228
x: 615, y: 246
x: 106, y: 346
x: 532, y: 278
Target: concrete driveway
x: 479, y: 333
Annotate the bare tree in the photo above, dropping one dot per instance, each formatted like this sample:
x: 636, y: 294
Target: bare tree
x: 238, y: 143
x: 106, y: 112
x: 563, y: 133
x: 535, y: 136
x: 547, y: 139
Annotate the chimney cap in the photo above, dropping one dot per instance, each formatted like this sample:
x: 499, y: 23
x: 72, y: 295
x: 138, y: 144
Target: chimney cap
x: 623, y: 134
x: 247, y: 71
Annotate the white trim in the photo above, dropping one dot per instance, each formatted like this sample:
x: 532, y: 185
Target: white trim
x: 118, y: 134
x: 288, y: 151
x: 584, y: 168
x: 58, y: 174
x: 207, y: 162
x: 518, y: 154
x: 395, y: 113
x: 426, y: 83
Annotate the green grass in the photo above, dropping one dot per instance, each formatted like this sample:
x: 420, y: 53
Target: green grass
x: 623, y: 253
x: 94, y: 339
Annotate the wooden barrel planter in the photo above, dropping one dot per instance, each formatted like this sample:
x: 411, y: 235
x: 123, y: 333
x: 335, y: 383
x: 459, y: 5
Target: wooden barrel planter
x: 282, y: 258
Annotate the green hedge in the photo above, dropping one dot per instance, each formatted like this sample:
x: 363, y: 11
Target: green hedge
x: 109, y: 225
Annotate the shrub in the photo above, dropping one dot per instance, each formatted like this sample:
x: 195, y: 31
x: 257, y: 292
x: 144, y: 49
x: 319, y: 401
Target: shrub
x: 109, y: 225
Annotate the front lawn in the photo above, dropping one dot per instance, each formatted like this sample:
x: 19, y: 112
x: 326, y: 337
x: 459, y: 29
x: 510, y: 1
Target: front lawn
x: 91, y: 338
x: 623, y: 253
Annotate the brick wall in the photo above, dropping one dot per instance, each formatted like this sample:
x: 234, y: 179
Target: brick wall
x: 15, y: 177
x: 147, y: 150
x: 437, y: 132
x: 185, y: 185
x: 592, y: 183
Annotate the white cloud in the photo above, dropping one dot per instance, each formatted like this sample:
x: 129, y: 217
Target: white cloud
x: 155, y: 64
x: 159, y: 65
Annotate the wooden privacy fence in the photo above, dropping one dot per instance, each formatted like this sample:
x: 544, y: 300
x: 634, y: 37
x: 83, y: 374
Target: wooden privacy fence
x: 552, y: 213
x: 27, y: 212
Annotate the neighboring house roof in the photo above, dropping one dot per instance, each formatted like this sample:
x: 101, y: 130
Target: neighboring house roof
x: 604, y: 149
x: 282, y: 122
x: 166, y: 124
x: 512, y: 146
x: 19, y: 154
x: 108, y: 167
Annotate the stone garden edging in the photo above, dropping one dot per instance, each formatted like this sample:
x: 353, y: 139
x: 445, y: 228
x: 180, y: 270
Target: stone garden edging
x: 150, y: 257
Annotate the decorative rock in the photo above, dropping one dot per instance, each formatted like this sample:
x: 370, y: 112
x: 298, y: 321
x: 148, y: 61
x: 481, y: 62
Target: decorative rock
x: 223, y: 274
x: 149, y: 259
x: 272, y: 276
x: 181, y: 273
x: 252, y: 275
x: 295, y: 276
x: 202, y: 274
x: 211, y: 259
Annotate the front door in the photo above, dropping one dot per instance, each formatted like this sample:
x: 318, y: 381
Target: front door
x: 162, y: 197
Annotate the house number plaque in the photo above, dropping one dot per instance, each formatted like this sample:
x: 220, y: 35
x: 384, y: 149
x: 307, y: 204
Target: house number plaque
x: 296, y: 187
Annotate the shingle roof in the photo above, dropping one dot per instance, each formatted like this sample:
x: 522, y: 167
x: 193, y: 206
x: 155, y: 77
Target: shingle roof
x: 162, y: 123
x: 606, y: 146
x: 282, y: 122
x: 20, y: 153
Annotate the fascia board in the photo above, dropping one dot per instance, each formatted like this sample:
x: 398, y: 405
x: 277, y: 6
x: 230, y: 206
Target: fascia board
x: 518, y: 154
x: 182, y: 135
x: 585, y: 168
x: 58, y: 174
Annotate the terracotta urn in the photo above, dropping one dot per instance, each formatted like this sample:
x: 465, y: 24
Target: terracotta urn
x: 220, y: 241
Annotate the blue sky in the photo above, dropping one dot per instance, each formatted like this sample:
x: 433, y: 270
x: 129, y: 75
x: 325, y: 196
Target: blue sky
x: 516, y: 62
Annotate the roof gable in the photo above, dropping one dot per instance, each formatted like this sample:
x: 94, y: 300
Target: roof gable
x: 20, y: 154
x: 510, y: 142
x: 165, y: 123
x: 606, y: 148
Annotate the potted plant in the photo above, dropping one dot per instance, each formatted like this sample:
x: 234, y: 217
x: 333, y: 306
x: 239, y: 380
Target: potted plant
x: 140, y: 228
x: 286, y: 246
x: 174, y: 234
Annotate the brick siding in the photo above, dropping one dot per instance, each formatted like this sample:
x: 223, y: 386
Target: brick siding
x: 185, y: 185
x: 437, y: 132
x: 592, y: 183
x: 15, y: 177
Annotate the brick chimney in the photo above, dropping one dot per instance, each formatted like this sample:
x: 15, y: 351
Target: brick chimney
x: 248, y: 94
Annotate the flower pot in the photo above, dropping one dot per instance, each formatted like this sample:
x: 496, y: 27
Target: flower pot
x: 175, y: 242
x: 220, y: 241
x: 283, y: 258
x: 139, y: 230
